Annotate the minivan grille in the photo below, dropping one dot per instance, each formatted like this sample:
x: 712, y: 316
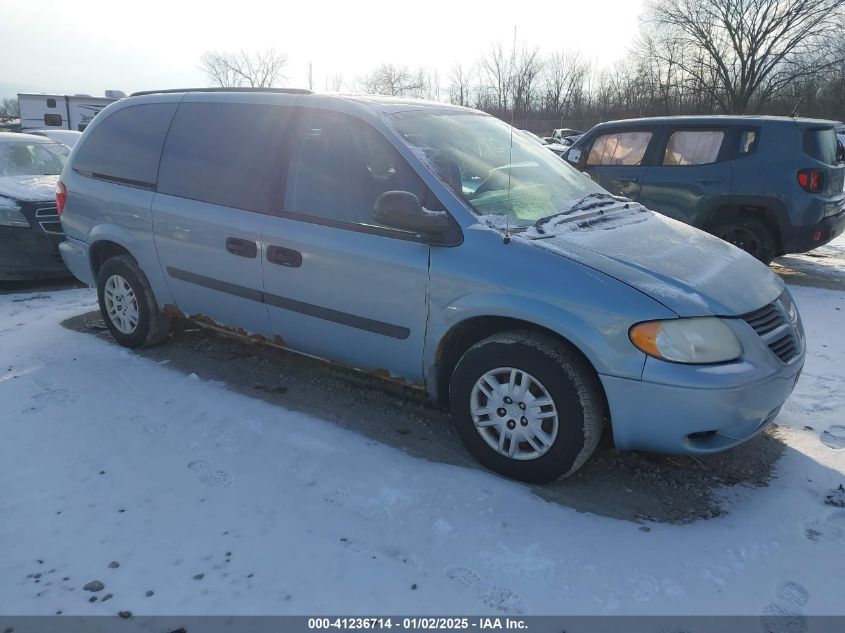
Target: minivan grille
x: 777, y: 330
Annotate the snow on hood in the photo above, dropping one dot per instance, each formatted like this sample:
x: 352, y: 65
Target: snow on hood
x: 687, y: 270
x: 28, y: 188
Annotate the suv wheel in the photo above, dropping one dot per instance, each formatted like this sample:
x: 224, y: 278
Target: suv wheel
x: 128, y: 305
x: 750, y: 235
x: 527, y: 406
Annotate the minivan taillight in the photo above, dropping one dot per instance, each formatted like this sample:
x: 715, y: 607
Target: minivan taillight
x: 811, y: 179
x: 61, y: 197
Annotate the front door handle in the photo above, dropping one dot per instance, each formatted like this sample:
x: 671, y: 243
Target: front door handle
x: 284, y: 256
x: 709, y: 180
x: 628, y: 180
x: 242, y: 248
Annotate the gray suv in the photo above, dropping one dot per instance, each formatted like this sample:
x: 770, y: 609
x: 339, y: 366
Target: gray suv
x: 769, y: 185
x: 429, y: 244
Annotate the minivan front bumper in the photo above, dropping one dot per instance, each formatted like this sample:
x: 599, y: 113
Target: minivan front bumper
x: 677, y: 419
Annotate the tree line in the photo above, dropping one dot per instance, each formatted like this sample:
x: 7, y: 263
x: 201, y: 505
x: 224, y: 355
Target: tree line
x: 689, y: 57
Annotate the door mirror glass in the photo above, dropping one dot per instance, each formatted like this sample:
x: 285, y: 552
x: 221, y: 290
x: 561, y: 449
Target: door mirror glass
x: 574, y: 156
x: 402, y: 210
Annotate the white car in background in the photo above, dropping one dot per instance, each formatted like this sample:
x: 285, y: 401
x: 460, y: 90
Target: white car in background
x: 67, y: 138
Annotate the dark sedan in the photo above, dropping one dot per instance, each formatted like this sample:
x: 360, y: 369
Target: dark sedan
x: 30, y: 231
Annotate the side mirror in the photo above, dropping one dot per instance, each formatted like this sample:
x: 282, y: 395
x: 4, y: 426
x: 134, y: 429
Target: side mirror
x: 574, y: 155
x: 402, y: 210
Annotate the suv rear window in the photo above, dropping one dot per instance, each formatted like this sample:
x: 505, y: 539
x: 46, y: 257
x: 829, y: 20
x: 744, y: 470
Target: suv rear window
x: 126, y: 146
x: 821, y: 145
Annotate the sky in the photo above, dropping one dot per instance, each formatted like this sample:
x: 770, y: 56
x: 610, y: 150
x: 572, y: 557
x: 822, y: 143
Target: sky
x: 91, y: 46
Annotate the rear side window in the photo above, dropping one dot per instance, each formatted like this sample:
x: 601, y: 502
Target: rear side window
x: 126, y: 146
x: 224, y: 153
x: 53, y: 120
x: 747, y: 141
x: 619, y: 148
x: 341, y: 165
x: 821, y: 145
x: 693, y: 147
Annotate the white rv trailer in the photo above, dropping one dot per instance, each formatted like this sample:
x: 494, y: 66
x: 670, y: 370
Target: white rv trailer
x: 68, y: 112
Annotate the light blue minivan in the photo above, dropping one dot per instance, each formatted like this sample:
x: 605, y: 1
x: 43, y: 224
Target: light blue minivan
x: 430, y: 244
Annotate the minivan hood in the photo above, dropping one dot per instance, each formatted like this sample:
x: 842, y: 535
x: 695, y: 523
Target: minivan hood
x: 29, y: 188
x: 689, y: 271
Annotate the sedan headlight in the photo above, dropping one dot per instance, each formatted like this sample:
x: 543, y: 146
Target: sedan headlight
x: 694, y: 341
x: 10, y: 216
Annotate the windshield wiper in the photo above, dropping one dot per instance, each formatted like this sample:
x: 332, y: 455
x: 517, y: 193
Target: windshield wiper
x: 596, y: 201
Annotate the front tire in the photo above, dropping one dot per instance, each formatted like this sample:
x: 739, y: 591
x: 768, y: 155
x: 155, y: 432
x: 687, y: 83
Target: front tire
x: 527, y: 406
x: 128, y: 305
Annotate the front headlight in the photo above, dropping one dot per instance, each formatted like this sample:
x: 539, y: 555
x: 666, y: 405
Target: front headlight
x: 695, y: 341
x: 10, y: 216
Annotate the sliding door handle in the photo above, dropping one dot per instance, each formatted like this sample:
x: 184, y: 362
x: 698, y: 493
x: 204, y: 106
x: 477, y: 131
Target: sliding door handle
x: 242, y: 248
x: 284, y: 256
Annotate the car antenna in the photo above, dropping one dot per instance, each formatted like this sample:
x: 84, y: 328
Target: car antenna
x: 794, y: 112
x: 507, y: 238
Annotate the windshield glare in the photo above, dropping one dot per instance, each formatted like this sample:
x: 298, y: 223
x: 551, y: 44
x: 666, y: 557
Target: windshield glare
x: 472, y: 154
x: 21, y: 158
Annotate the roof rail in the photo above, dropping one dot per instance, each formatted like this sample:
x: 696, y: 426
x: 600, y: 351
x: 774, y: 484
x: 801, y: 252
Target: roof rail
x: 296, y: 91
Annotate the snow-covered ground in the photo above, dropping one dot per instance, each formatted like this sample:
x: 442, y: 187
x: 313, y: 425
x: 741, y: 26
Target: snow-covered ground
x: 219, y: 503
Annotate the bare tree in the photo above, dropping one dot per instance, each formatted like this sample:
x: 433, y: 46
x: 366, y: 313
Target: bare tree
x: 742, y: 51
x: 460, y: 80
x: 564, y: 74
x: 497, y: 66
x: 334, y: 83
x: 233, y: 70
x: 9, y: 109
x: 395, y: 81
x: 527, y: 66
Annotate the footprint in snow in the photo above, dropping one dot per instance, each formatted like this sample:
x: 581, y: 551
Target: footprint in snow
x: 827, y: 528
x: 792, y: 593
x: 498, y: 598
x: 208, y: 475
x: 61, y: 397
x: 834, y: 437
x: 785, y: 614
x: 148, y: 425
x: 778, y: 618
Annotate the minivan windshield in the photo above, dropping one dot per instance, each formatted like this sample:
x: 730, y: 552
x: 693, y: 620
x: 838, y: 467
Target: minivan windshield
x: 23, y: 158
x: 516, y: 183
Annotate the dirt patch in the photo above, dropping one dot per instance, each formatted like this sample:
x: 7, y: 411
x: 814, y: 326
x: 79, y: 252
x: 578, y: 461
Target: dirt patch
x: 630, y: 486
x: 819, y: 269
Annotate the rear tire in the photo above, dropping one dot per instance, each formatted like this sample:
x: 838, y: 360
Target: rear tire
x: 543, y: 442
x: 749, y: 234
x: 128, y: 305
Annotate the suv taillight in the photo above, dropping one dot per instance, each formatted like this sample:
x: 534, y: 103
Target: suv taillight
x: 811, y: 179
x: 61, y: 197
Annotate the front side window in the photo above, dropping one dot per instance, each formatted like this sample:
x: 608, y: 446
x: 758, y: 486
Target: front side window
x: 126, y: 146
x: 341, y: 165
x: 693, y: 147
x: 497, y: 172
x: 32, y: 159
x: 619, y: 148
x: 224, y: 153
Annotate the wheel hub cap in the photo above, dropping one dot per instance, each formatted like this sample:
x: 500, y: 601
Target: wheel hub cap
x: 121, y: 304
x: 514, y: 413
